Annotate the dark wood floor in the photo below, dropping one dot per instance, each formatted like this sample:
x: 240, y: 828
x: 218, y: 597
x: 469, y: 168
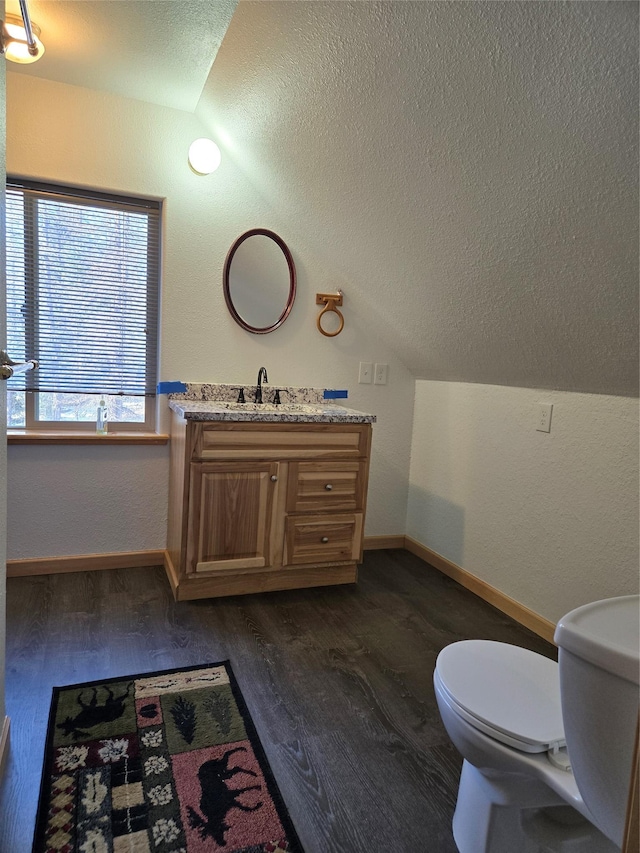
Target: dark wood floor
x: 338, y: 681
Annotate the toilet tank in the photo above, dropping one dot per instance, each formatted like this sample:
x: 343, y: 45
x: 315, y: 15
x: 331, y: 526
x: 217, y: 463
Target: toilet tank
x: 599, y: 661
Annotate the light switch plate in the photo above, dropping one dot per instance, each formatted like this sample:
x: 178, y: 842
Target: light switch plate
x: 366, y: 373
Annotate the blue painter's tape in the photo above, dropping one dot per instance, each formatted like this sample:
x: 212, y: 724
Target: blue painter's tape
x: 330, y: 394
x: 171, y: 387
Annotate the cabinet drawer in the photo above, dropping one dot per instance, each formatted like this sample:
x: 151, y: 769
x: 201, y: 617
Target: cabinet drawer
x: 319, y: 486
x: 230, y: 440
x: 323, y: 538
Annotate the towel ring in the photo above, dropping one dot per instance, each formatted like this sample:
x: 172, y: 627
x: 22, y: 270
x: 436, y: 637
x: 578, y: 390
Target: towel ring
x: 330, y: 302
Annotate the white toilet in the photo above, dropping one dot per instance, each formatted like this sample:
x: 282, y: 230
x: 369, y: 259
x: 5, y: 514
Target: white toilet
x: 516, y: 717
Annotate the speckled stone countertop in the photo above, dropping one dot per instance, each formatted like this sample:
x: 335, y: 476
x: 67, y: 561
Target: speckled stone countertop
x: 299, y: 405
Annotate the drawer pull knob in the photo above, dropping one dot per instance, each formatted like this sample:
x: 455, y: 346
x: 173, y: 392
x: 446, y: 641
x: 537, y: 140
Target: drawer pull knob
x: 325, y: 539
x: 273, y: 478
x: 328, y: 487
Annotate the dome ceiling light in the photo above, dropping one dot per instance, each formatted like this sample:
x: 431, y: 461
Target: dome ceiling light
x: 204, y: 156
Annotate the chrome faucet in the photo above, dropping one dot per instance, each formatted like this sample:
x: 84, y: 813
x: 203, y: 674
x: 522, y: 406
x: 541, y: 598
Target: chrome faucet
x: 262, y: 375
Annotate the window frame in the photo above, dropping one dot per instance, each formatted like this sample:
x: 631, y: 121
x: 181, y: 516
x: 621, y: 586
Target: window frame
x: 32, y: 423
x: 112, y: 201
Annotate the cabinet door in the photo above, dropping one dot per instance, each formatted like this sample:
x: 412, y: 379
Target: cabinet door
x: 230, y: 510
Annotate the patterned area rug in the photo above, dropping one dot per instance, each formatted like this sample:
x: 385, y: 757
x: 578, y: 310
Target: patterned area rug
x: 165, y: 762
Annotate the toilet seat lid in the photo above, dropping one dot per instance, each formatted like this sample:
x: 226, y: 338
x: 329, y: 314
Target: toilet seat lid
x: 513, y: 692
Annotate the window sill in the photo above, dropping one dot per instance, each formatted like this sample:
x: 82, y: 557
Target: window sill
x: 23, y: 436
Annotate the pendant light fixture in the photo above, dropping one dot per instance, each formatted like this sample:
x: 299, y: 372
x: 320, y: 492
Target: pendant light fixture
x: 20, y: 37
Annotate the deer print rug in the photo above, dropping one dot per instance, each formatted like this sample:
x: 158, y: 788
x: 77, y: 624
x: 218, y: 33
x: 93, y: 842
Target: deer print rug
x: 167, y: 762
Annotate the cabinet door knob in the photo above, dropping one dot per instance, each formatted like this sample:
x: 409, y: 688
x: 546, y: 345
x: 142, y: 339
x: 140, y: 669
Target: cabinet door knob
x: 328, y: 487
x: 325, y: 539
x: 274, y: 478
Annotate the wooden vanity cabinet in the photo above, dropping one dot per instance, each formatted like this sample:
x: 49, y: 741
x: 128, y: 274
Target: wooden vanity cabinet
x: 259, y: 506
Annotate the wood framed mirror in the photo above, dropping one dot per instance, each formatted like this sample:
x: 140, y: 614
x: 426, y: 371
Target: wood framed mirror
x: 259, y: 281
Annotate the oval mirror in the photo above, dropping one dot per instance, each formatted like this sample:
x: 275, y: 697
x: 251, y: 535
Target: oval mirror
x: 259, y: 281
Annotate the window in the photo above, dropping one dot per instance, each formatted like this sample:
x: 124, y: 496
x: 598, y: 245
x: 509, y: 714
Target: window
x: 83, y: 272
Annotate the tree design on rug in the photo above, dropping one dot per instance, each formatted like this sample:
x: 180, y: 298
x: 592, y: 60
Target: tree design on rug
x: 184, y: 716
x: 219, y: 706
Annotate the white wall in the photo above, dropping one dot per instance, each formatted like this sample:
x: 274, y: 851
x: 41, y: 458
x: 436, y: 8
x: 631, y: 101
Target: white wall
x: 97, y: 140
x: 471, y: 169
x: 549, y: 519
x: 74, y: 499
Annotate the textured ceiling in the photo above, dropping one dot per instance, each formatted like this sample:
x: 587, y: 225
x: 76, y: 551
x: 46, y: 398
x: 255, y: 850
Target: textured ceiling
x: 159, y: 51
x: 468, y: 171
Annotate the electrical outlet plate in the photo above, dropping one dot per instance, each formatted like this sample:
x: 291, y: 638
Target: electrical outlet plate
x: 380, y: 372
x: 543, y: 417
x: 366, y: 373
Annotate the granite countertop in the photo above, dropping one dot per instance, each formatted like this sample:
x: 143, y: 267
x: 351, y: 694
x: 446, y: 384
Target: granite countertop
x: 217, y: 410
x: 299, y: 405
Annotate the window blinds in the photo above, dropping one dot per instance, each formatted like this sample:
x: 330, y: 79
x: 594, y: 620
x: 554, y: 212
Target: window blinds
x: 83, y: 273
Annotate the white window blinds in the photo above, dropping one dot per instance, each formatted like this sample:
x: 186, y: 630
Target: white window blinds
x: 83, y: 273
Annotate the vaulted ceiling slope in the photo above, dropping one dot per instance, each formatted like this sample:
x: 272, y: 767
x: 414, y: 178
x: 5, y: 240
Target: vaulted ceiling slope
x: 466, y: 170
x: 158, y: 51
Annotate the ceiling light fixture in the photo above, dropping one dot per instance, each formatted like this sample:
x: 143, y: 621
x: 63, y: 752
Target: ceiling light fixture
x: 204, y: 156
x: 20, y: 42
